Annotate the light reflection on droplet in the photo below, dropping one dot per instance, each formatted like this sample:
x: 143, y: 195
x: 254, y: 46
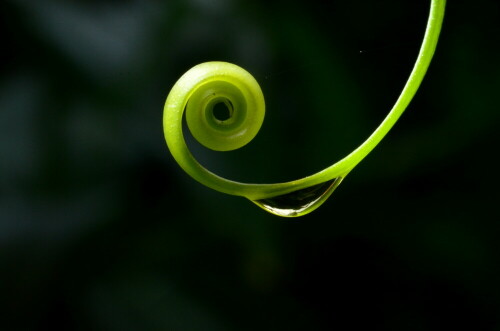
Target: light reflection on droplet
x: 299, y: 202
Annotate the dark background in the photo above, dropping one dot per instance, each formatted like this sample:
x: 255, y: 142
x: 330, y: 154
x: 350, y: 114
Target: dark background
x: 101, y: 230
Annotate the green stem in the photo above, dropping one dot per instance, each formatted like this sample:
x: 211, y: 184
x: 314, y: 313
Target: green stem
x: 209, y: 74
x: 417, y: 75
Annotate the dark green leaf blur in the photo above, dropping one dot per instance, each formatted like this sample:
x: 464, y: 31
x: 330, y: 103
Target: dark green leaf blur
x: 101, y: 230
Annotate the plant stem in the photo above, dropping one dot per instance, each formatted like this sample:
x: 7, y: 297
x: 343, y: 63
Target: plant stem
x: 211, y: 72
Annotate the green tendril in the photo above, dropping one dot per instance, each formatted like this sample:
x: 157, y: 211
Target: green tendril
x: 225, y: 110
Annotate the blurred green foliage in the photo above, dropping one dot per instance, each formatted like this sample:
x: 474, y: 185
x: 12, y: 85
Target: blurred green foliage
x: 100, y: 229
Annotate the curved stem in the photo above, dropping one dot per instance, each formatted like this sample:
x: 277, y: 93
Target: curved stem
x: 181, y: 92
x: 417, y: 75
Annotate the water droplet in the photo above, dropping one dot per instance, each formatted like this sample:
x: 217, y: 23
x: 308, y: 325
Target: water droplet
x: 299, y: 202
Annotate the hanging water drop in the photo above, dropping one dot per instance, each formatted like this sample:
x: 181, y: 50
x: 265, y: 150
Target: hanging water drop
x: 299, y: 202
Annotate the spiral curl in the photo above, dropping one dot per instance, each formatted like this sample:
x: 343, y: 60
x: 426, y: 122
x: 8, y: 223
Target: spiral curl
x: 223, y: 83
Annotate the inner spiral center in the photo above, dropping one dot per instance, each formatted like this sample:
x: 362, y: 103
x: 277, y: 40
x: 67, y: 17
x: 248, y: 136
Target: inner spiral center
x: 222, y: 111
